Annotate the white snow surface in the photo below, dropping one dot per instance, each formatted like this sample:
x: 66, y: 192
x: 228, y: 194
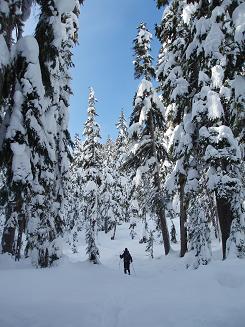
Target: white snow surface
x: 160, y: 292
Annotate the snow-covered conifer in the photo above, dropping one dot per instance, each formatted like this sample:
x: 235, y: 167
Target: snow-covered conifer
x: 92, y: 166
x: 27, y: 145
x: 74, y: 192
x: 198, y: 234
x: 108, y: 188
x: 56, y: 32
x: 148, y: 115
x: 124, y: 177
x: 173, y: 234
x: 150, y: 245
x: 173, y: 33
x: 217, y: 50
x: 13, y: 14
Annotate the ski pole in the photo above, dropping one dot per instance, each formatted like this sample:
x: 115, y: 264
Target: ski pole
x: 133, y: 268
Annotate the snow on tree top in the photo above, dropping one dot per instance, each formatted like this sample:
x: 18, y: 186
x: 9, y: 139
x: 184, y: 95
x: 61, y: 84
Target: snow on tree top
x: 65, y: 6
x: 28, y: 47
x: 188, y: 11
x: 144, y: 35
x: 144, y: 86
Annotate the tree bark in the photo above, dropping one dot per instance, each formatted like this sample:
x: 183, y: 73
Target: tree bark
x: 114, y: 231
x: 159, y: 199
x: 164, y: 227
x: 225, y: 219
x: 8, y: 240
x: 106, y: 225
x: 183, y: 217
x: 21, y: 224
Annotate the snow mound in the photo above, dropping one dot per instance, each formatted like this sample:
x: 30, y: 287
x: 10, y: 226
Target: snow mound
x: 28, y: 47
x: 65, y: 6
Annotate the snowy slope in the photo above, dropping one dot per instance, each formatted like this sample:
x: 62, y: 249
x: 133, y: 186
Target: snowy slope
x: 160, y: 293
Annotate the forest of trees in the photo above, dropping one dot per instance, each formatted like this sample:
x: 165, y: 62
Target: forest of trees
x: 179, y: 158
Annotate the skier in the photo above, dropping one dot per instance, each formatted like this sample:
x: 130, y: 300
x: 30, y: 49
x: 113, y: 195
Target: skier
x: 127, y: 259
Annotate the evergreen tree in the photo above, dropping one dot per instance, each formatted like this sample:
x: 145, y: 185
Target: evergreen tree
x: 124, y: 177
x: 145, y: 150
x: 27, y: 145
x: 55, y: 60
x: 134, y: 210
x: 173, y: 33
x: 74, y: 191
x: 199, y: 234
x: 92, y: 166
x: 13, y: 14
x: 173, y: 234
x: 150, y: 244
x: 213, y: 110
x: 108, y: 187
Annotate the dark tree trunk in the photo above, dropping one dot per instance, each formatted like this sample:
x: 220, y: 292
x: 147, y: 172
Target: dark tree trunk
x: 21, y: 225
x: 2, y: 74
x: 160, y: 210
x: 106, y: 225
x: 114, y: 231
x: 215, y: 221
x: 225, y: 219
x: 163, y: 225
x: 8, y: 240
x: 183, y: 216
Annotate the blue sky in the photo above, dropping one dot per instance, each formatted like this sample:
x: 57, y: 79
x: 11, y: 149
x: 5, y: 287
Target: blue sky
x: 103, y: 59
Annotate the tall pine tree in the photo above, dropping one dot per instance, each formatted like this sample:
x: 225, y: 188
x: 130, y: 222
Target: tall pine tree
x: 148, y: 115
x: 92, y: 166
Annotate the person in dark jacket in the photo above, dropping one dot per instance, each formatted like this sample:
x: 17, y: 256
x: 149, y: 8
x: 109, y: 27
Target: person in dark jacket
x: 127, y: 259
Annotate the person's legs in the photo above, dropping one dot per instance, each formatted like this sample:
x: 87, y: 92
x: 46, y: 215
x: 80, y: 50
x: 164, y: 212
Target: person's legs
x: 125, y: 268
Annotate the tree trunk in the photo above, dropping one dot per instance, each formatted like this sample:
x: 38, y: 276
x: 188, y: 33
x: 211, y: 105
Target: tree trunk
x: 159, y: 199
x: 8, y: 240
x: 106, y: 225
x: 21, y: 224
x: 225, y: 219
x: 183, y: 217
x: 216, y: 219
x: 164, y: 227
x: 114, y: 231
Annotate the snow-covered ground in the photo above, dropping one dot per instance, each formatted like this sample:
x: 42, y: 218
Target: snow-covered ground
x: 159, y: 293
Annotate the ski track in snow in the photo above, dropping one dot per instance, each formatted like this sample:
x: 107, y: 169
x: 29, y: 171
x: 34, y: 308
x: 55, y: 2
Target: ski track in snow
x: 161, y: 292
